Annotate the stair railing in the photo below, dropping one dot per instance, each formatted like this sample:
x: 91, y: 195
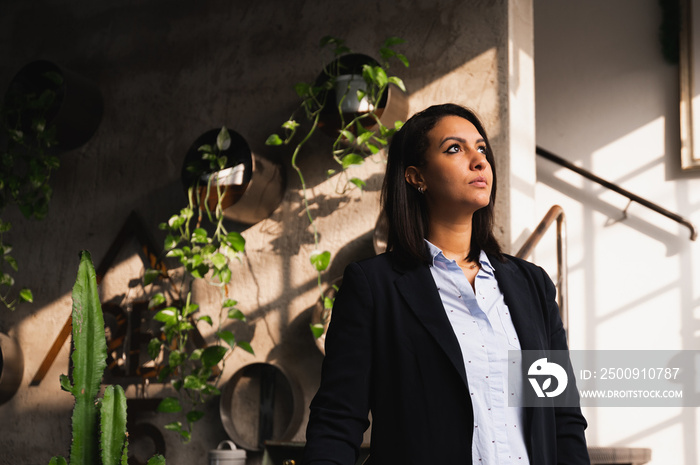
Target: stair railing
x: 555, y: 213
x: 614, y: 187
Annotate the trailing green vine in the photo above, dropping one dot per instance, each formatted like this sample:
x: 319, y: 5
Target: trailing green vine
x: 194, y: 373
x: 354, y: 140
x: 26, y: 163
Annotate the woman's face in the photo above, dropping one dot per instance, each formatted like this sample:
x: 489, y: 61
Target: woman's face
x: 456, y: 173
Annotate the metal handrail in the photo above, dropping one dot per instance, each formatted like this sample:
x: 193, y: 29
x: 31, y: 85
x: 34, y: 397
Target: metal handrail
x: 614, y: 187
x: 555, y: 213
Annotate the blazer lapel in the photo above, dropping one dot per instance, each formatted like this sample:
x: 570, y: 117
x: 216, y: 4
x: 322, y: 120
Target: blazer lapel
x: 517, y: 295
x: 417, y: 287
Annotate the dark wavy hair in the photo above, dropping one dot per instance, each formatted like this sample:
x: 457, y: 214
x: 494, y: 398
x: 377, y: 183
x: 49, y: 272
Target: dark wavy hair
x: 406, y: 210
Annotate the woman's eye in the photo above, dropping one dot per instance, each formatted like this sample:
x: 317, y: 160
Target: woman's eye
x: 482, y: 148
x: 454, y: 148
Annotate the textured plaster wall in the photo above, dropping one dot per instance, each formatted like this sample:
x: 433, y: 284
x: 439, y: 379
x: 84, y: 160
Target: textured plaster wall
x: 170, y: 70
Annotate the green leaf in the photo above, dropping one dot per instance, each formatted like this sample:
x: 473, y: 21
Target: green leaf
x: 290, y: 125
x: 196, y: 354
x: 156, y: 460
x: 363, y: 138
x: 199, y: 236
x: 225, y: 275
x: 154, y: 346
x: 320, y: 260
x: 380, y: 77
x: 330, y: 173
x: 156, y: 300
x: 189, y: 309
x: 173, y: 426
x: 229, y: 303
x: 149, y: 276
x: 219, y: 260
x: 223, y: 140
x: 358, y: 182
x: 112, y: 424
x: 11, y: 261
x: 25, y: 295
x: 206, y: 318
x: 194, y: 415
x: 274, y: 139
x: 236, y: 314
x: 351, y: 159
x: 227, y: 337
x: 170, y: 242
x: 194, y: 383
x: 316, y: 330
x: 302, y: 89
x: 213, y: 355
x: 167, y: 316
x: 65, y: 383
x: 236, y: 241
x: 372, y: 148
x: 397, y: 82
x: 328, y: 302
x: 58, y: 461
x: 246, y: 346
x: 348, y: 135
x: 392, y: 41
x: 175, y: 359
x: 169, y: 405
x: 403, y: 59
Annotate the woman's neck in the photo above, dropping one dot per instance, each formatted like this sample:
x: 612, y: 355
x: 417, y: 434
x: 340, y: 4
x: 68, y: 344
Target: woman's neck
x: 452, y: 236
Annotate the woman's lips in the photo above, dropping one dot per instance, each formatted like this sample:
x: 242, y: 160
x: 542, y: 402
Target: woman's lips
x: 479, y: 182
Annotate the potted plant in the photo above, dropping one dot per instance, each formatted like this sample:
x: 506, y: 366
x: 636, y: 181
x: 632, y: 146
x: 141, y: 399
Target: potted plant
x: 99, y: 433
x: 205, y: 254
x: 359, y: 130
x: 45, y: 110
x: 252, y: 186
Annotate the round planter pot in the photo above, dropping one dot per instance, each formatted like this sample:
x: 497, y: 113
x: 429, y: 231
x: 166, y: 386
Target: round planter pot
x: 11, y: 367
x: 260, y: 402
x: 348, y: 69
x: 75, y: 109
x: 252, y: 187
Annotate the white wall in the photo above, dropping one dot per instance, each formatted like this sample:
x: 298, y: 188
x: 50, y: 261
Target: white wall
x: 607, y: 101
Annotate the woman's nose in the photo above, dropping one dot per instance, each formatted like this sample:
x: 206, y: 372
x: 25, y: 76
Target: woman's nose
x: 478, y: 163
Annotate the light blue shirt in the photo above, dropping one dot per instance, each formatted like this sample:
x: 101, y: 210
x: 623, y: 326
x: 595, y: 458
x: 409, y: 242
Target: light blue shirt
x: 481, y: 321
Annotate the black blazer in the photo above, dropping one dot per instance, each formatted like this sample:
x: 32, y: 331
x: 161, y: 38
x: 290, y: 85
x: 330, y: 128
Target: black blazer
x: 390, y: 349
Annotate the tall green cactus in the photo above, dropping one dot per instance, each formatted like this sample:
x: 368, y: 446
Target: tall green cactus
x: 89, y: 361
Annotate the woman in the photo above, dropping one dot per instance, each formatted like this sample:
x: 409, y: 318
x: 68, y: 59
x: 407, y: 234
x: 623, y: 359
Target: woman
x: 420, y: 335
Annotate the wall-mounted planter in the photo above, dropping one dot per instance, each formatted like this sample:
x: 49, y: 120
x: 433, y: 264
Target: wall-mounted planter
x: 11, y: 367
x: 392, y: 107
x: 252, y: 186
x: 259, y: 403
x: 65, y: 99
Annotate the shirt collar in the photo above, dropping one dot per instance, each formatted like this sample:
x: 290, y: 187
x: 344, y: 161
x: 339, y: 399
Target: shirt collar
x: 437, y: 255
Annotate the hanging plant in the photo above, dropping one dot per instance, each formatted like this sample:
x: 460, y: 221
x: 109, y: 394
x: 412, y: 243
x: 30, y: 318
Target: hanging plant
x: 45, y: 110
x: 348, y: 100
x: 193, y: 372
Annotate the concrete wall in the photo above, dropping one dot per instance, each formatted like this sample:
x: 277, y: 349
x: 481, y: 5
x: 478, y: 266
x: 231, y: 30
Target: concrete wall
x: 607, y: 101
x: 170, y: 70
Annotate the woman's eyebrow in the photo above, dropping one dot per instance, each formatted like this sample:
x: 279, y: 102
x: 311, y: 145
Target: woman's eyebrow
x: 459, y: 139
